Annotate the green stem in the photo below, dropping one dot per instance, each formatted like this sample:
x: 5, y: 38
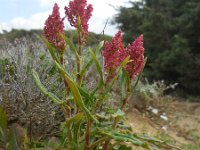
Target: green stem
x: 80, y: 55
x: 62, y: 61
x: 68, y: 109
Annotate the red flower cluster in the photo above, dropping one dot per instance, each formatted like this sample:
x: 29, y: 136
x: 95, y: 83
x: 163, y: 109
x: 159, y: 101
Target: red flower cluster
x: 79, y: 9
x: 114, y: 53
x: 136, y: 53
x: 54, y: 26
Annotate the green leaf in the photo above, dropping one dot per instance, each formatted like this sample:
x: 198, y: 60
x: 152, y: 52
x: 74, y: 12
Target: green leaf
x: 75, y: 92
x: 76, y: 122
x: 71, y: 46
x: 99, y: 70
x: 98, y: 66
x: 126, y: 60
x: 76, y: 133
x: 127, y: 137
x: 156, y: 141
x: 75, y: 118
x: 148, y: 138
x: 85, y: 68
x: 89, y: 99
x: 118, y: 114
x: 89, y: 63
x: 51, y: 49
x: 50, y: 95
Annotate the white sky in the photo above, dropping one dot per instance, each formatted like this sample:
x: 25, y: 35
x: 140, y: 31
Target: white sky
x: 35, y: 20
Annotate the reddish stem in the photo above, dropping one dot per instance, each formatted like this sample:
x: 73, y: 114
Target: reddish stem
x: 124, y: 103
x: 105, y: 146
x: 87, y: 135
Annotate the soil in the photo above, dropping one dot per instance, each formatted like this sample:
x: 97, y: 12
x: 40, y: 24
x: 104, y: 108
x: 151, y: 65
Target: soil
x: 181, y: 123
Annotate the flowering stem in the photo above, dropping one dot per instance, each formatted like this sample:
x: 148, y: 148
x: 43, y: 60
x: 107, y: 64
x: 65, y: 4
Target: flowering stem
x: 68, y: 109
x: 62, y: 61
x: 87, y: 135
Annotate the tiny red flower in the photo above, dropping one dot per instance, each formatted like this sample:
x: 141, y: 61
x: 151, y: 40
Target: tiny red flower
x: 114, y: 53
x: 136, y: 53
x: 79, y: 9
x: 54, y: 26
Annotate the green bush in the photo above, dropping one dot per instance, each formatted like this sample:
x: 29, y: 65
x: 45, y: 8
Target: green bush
x: 171, y: 30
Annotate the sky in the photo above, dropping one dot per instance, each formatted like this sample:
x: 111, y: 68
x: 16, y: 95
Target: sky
x: 31, y: 14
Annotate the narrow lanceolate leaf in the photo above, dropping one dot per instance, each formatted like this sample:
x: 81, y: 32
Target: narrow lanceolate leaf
x: 89, y: 99
x: 121, y: 137
x: 126, y: 60
x: 78, y: 117
x: 51, y: 49
x: 89, y: 63
x: 75, y: 92
x: 155, y: 141
x: 98, y: 66
x: 148, y: 138
x: 76, y: 122
x: 85, y: 68
x: 71, y: 45
x: 50, y: 95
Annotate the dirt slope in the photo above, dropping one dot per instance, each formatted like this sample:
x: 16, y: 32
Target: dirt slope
x: 180, y: 124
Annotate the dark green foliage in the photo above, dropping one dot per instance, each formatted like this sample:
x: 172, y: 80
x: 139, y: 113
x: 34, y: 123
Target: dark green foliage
x: 14, y: 33
x: 171, y: 30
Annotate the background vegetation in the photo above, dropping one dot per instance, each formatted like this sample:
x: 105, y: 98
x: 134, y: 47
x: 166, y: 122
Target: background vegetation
x: 171, y: 30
